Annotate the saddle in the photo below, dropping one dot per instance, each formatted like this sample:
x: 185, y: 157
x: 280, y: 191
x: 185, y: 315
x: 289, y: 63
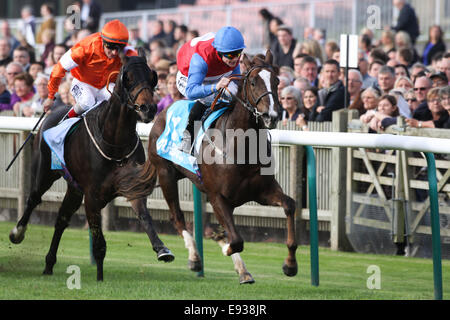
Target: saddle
x: 167, y: 145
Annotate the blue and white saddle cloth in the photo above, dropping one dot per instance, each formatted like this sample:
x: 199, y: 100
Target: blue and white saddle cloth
x: 169, y: 142
x: 55, y: 137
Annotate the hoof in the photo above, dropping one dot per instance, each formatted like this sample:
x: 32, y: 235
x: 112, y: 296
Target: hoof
x: 17, y: 235
x: 47, y: 272
x: 165, y: 255
x: 246, y: 278
x: 290, y: 271
x: 195, y: 266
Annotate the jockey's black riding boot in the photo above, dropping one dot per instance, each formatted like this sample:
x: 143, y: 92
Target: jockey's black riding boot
x: 198, y: 109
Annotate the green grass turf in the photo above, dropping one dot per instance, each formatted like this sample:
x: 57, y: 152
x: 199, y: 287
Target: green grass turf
x: 131, y: 271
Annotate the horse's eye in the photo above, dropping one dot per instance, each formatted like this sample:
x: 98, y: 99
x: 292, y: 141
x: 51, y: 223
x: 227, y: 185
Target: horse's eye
x: 253, y: 82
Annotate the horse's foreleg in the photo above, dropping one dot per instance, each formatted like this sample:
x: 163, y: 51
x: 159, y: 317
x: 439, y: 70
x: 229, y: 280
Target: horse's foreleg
x: 239, y: 265
x: 45, y: 179
x: 98, y: 241
x: 224, y: 214
x: 275, y: 197
x: 169, y: 188
x: 163, y: 253
x: 71, y: 203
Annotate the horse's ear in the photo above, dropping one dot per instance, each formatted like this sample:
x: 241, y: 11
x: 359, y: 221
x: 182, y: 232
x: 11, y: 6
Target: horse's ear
x: 246, y: 61
x: 123, y: 57
x: 153, y: 78
x: 141, y: 52
x: 269, y: 57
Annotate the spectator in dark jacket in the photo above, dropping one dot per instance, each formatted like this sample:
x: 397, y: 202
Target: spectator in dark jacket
x: 435, y: 44
x: 284, y: 48
x: 332, y: 96
x: 407, y: 19
x: 444, y: 95
x: 5, y: 95
x: 90, y: 15
x: 421, y: 87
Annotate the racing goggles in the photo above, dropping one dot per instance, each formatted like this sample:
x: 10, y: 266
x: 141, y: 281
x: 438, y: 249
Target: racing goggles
x: 113, y: 46
x: 231, y: 55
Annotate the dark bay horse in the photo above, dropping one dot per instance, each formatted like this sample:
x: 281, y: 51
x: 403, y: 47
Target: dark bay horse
x: 95, y: 153
x: 229, y: 184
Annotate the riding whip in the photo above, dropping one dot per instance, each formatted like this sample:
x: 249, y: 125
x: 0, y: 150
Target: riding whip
x: 26, y: 140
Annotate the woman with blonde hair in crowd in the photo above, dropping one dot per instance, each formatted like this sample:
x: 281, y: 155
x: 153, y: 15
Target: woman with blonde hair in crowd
x: 311, y: 48
x: 403, y: 82
x: 370, y: 98
x: 410, y: 97
x: 402, y: 41
x: 64, y: 97
x: 438, y: 113
x: 290, y: 102
x: 387, y: 41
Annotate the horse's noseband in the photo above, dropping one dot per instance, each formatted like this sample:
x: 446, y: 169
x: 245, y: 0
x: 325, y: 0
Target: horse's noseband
x: 253, y: 108
x: 128, y: 99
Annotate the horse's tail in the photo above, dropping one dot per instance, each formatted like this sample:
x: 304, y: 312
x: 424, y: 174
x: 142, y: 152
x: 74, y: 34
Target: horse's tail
x: 136, y: 181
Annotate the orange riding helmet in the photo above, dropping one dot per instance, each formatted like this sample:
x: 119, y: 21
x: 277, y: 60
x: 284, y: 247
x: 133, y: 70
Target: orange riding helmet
x: 115, y: 32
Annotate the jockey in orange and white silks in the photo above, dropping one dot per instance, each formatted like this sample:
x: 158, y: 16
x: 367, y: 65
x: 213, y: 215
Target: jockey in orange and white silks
x: 204, y: 64
x: 91, y: 61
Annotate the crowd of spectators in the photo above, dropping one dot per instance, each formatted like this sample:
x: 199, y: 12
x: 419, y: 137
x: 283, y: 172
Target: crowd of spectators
x: 392, y: 79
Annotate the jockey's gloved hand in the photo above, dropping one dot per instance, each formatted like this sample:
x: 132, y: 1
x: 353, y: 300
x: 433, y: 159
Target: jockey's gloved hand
x: 232, y: 89
x: 48, y: 103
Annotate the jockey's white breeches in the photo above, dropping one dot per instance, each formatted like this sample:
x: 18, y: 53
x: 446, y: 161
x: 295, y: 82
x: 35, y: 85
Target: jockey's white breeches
x: 87, y: 96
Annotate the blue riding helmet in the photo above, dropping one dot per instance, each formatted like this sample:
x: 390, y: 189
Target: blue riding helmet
x: 228, y: 39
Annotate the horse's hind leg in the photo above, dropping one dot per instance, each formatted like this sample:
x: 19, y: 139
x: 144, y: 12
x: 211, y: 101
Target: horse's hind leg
x: 140, y: 207
x: 274, y: 196
x: 71, y: 203
x: 43, y: 178
x: 168, y: 184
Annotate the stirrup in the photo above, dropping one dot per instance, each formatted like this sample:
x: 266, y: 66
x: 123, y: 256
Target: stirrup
x: 186, y: 142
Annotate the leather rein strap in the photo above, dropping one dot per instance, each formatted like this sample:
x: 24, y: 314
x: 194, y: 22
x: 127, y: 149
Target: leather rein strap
x: 246, y: 104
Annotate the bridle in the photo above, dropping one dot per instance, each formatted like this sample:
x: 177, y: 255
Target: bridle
x: 127, y: 99
x: 245, y: 102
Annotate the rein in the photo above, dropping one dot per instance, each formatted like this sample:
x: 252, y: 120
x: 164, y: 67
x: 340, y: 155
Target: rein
x: 245, y: 102
x: 129, y: 101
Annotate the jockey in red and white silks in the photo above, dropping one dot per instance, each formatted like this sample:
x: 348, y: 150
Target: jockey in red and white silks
x: 204, y: 64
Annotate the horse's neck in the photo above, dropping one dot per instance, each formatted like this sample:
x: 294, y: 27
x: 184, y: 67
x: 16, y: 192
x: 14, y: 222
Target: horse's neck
x: 119, y: 124
x: 240, y: 117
